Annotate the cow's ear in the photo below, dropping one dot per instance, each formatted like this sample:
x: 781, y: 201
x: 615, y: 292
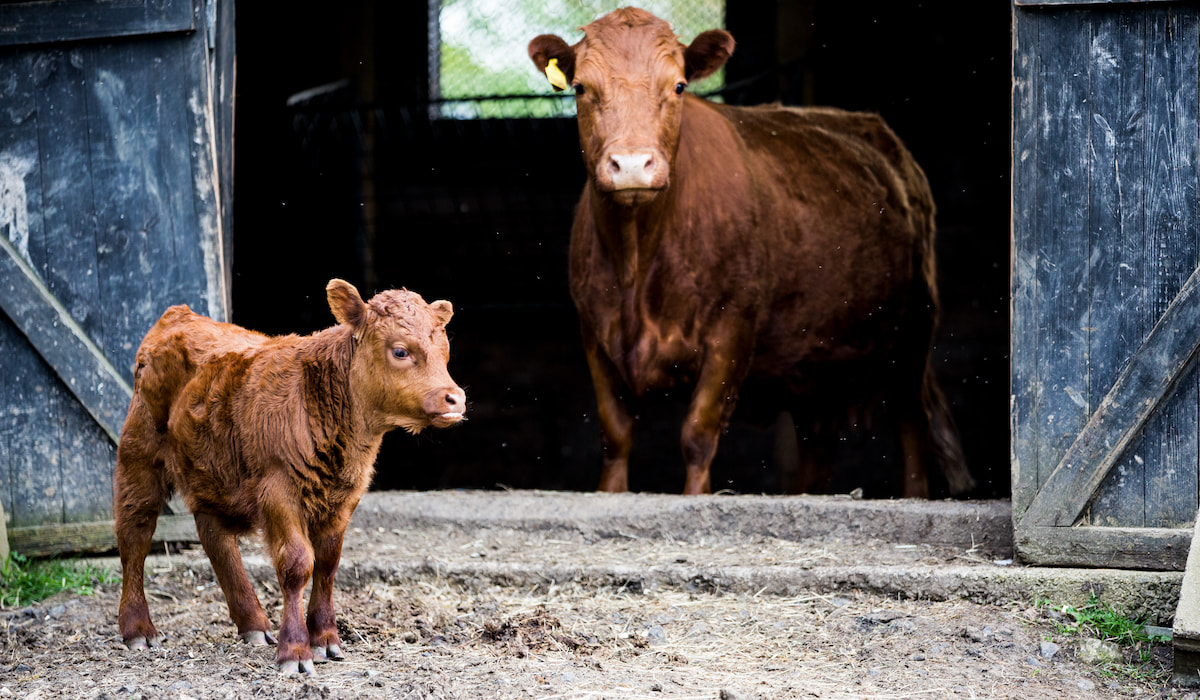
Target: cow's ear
x: 707, y: 52
x: 345, y: 303
x: 545, y: 47
x: 444, y: 310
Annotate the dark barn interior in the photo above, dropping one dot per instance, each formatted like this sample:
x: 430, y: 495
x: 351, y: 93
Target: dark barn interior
x: 341, y: 172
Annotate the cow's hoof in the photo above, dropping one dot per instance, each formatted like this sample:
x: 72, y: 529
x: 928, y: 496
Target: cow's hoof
x: 143, y: 643
x: 258, y: 638
x: 330, y: 653
x: 295, y: 668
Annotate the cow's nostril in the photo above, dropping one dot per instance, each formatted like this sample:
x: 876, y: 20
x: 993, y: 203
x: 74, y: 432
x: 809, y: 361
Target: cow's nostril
x: 451, y: 400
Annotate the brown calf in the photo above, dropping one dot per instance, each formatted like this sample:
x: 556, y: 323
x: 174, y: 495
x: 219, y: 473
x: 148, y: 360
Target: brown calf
x: 278, y: 434
x: 715, y: 244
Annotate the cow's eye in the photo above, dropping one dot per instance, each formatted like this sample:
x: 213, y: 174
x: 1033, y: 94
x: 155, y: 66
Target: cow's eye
x: 578, y: 88
x: 680, y: 87
x: 399, y: 353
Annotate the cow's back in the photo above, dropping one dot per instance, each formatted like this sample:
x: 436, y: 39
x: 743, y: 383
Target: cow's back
x: 849, y: 220
x: 845, y: 147
x: 176, y: 347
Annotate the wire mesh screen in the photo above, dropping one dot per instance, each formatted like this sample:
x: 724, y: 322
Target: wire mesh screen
x: 479, y: 68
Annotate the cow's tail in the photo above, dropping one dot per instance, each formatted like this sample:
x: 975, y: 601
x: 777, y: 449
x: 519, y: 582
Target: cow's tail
x: 946, y: 446
x: 161, y: 369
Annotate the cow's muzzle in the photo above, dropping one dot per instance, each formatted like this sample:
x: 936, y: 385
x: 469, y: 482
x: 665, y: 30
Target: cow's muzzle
x: 639, y: 169
x: 445, y: 407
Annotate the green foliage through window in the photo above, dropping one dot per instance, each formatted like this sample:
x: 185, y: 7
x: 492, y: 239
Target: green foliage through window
x: 479, y: 68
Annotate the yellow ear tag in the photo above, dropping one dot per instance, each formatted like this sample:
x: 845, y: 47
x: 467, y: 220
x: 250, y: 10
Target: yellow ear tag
x: 555, y: 75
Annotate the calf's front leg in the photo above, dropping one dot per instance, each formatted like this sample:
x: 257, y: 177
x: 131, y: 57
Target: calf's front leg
x: 292, y: 554
x: 322, y: 620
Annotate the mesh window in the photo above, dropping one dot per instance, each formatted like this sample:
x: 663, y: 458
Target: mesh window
x: 479, y: 68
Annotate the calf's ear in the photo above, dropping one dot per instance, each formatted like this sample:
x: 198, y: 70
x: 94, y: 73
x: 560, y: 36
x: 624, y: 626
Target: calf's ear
x: 548, y: 46
x: 443, y: 310
x: 707, y: 52
x: 345, y: 303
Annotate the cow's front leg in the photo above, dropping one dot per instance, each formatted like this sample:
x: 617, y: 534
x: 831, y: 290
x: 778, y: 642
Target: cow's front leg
x: 322, y: 620
x: 616, y: 424
x: 708, y: 414
x: 293, y: 558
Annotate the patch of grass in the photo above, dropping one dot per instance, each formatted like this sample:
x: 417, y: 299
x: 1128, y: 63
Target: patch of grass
x: 1098, y: 619
x: 23, y: 582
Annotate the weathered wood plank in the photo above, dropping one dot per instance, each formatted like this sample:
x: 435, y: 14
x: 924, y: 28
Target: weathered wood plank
x: 1172, y: 251
x: 29, y: 433
x: 1061, y: 210
x: 223, y: 45
x: 77, y: 538
x: 1148, y: 378
x: 184, y: 147
x: 205, y: 255
x: 133, y: 182
x: 1155, y: 549
x: 1024, y: 260
x: 71, y: 20
x: 1118, y: 323
x: 30, y: 392
x: 69, y: 272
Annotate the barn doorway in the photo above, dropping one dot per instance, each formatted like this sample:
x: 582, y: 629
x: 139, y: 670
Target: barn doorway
x: 342, y: 168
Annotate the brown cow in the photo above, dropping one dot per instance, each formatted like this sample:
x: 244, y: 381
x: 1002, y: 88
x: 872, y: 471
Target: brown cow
x: 278, y: 434
x: 714, y: 244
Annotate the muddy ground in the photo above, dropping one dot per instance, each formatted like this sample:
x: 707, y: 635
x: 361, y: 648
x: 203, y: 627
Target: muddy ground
x: 417, y: 621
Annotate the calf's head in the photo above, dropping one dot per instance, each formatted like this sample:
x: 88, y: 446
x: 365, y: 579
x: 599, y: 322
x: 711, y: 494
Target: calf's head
x: 629, y: 74
x: 398, y: 369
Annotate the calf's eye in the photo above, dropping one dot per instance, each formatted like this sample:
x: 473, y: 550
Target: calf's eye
x: 399, y: 353
x: 680, y: 87
x: 578, y: 89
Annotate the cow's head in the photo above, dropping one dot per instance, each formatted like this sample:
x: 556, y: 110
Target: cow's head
x: 629, y: 74
x: 398, y: 371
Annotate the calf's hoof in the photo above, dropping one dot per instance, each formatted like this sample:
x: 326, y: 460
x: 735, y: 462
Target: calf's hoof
x: 152, y: 642
x: 258, y: 638
x: 330, y: 653
x: 295, y: 668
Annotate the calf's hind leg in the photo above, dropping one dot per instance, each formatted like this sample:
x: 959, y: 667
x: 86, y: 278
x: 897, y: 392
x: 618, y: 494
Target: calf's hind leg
x: 140, y: 489
x: 220, y: 544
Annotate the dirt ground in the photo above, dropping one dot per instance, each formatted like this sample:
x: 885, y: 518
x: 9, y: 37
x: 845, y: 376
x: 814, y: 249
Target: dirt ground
x: 429, y: 635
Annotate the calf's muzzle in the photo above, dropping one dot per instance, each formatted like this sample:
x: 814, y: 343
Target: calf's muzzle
x: 445, y: 406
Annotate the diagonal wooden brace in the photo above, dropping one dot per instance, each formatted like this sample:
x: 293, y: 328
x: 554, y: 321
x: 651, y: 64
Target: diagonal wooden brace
x: 62, y: 343
x: 1145, y: 382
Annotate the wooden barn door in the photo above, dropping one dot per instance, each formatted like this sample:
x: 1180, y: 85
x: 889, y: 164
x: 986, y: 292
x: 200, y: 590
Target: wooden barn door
x: 115, y: 138
x: 1106, y: 291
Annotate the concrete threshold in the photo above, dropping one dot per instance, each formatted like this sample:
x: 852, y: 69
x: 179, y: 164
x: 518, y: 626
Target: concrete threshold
x: 944, y: 530
x: 737, y: 545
